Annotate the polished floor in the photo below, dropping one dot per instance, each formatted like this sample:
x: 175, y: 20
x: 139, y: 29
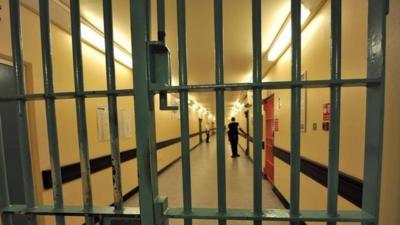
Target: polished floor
x: 204, y: 184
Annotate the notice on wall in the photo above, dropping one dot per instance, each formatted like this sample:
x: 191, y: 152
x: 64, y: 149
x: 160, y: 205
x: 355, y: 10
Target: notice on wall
x: 125, y: 123
x: 103, y: 127
x: 326, y: 116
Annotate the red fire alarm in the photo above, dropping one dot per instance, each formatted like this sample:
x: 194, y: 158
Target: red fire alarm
x: 326, y: 116
x: 276, y: 127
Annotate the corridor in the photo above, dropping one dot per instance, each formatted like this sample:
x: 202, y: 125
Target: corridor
x: 239, y: 182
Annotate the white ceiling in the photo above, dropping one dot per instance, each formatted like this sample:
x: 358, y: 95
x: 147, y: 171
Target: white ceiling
x: 200, y: 36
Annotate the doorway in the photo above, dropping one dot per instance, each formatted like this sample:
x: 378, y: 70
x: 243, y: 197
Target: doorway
x: 268, y: 105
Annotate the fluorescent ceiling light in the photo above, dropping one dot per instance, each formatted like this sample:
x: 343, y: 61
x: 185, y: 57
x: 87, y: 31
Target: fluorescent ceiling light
x: 96, y: 39
x: 284, y: 37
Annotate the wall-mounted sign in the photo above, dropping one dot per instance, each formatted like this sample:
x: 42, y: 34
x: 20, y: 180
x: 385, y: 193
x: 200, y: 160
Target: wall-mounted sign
x: 326, y: 116
x: 276, y: 124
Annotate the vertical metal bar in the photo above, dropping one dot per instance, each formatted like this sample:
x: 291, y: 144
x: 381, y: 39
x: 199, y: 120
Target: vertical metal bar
x: 334, y: 132
x: 184, y: 113
x: 22, y: 122
x: 247, y: 133
x: 112, y: 104
x: 257, y: 124
x: 4, y: 198
x: 140, y: 28
x: 50, y: 109
x: 375, y: 108
x: 200, y: 131
x: 81, y: 108
x: 295, y: 111
x: 220, y: 101
x: 161, y: 20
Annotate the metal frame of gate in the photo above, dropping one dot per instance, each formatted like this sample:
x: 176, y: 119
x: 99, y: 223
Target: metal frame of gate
x: 153, y: 208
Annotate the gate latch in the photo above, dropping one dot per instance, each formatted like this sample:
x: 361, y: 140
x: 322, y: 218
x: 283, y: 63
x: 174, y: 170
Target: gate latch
x: 160, y: 71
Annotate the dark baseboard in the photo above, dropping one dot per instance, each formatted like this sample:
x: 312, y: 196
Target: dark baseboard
x: 283, y: 200
x: 136, y: 189
x: 350, y: 188
x: 73, y: 171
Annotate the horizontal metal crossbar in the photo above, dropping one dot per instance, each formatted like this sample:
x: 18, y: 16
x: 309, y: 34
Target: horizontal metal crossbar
x: 270, y: 85
x: 201, y: 88
x: 70, y: 95
x: 131, y: 212
x: 270, y: 215
x: 197, y: 213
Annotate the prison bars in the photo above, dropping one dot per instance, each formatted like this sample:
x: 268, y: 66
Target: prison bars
x: 203, y: 88
x: 295, y: 111
x: 112, y: 104
x: 257, y: 116
x: 183, y: 105
x: 377, y: 11
x: 81, y: 108
x: 334, y: 131
x: 220, y: 106
x: 50, y: 109
x: 140, y: 28
x: 375, y: 94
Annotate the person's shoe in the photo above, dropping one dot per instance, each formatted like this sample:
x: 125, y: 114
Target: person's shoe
x: 233, y: 156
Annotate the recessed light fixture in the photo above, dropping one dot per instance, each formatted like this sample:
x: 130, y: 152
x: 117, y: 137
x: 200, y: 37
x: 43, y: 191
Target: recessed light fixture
x: 283, y: 39
x: 97, y: 40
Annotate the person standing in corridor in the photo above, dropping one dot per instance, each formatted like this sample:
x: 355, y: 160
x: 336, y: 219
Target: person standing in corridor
x: 233, y: 135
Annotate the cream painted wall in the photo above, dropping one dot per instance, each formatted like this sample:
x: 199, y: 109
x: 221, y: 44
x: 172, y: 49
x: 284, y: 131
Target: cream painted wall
x: 314, y: 144
x: 390, y: 195
x: 168, y: 122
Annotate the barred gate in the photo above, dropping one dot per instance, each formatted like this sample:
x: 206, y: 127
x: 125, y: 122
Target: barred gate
x: 150, y: 61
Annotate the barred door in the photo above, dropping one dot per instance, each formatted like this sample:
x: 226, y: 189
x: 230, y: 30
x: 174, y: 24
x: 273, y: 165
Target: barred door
x: 151, y: 79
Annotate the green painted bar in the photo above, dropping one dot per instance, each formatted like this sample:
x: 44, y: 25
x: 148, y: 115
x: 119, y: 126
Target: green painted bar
x: 112, y: 104
x: 377, y: 10
x: 202, y: 88
x: 334, y: 131
x: 50, y: 108
x: 161, y: 20
x: 22, y: 122
x: 140, y: 28
x: 184, y: 113
x: 247, y: 133
x: 269, y: 215
x: 4, y: 198
x: 69, y: 210
x: 257, y: 116
x: 81, y: 108
x: 295, y: 112
x: 220, y: 106
x: 269, y: 85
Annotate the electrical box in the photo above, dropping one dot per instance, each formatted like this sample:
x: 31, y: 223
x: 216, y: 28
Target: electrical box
x: 160, y: 64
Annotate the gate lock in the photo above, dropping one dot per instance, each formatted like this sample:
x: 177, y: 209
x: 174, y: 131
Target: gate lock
x: 160, y: 71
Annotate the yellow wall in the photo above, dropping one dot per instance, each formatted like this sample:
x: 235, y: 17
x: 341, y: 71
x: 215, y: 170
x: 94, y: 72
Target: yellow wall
x: 314, y: 144
x: 390, y: 195
x: 168, y: 123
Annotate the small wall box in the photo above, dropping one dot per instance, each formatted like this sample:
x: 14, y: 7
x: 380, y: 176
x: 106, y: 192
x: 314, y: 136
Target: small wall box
x: 160, y: 64
x: 325, y: 125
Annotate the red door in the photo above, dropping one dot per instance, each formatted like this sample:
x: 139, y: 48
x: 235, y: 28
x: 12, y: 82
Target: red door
x: 269, y: 138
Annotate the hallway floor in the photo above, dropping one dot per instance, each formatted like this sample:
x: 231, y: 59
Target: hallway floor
x: 239, y: 181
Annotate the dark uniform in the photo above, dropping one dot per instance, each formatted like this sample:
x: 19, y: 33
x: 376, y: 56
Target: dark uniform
x: 233, y: 135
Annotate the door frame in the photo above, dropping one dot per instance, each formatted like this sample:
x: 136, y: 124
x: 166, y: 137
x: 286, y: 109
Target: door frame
x: 32, y: 129
x: 265, y: 169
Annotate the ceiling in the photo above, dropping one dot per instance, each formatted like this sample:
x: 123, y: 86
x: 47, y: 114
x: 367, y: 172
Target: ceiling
x: 200, y: 36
